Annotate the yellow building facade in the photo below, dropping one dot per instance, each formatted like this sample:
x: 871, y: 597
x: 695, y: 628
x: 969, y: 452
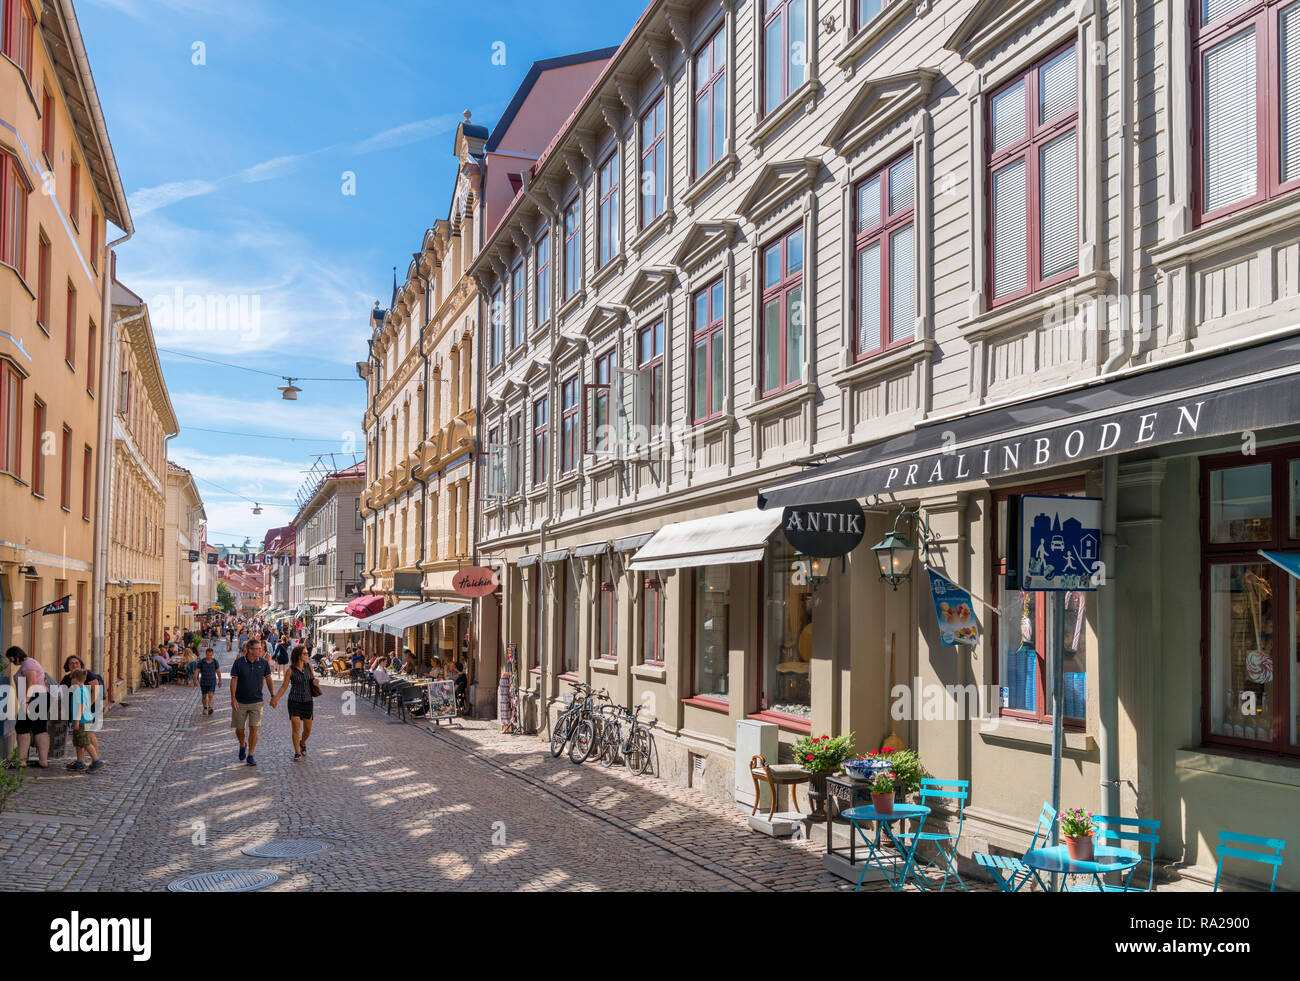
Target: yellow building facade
x: 182, y: 579
x: 60, y: 195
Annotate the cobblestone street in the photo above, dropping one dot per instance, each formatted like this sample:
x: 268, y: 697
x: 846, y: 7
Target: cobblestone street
x: 402, y: 809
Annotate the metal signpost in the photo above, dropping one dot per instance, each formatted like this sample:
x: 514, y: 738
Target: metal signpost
x: 1060, y: 552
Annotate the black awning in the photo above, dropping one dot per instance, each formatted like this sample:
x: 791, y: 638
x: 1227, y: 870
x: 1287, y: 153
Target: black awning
x: 1252, y: 388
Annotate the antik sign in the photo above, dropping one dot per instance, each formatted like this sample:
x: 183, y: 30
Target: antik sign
x: 824, y: 531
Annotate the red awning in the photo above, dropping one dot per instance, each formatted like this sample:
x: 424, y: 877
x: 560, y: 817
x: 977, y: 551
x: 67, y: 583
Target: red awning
x: 364, y: 606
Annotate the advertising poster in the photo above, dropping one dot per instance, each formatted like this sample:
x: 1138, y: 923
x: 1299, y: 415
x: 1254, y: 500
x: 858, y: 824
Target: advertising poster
x: 956, y: 612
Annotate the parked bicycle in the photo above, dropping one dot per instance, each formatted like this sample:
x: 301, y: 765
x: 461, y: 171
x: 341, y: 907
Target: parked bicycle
x: 149, y: 674
x: 575, y: 727
x: 625, y: 735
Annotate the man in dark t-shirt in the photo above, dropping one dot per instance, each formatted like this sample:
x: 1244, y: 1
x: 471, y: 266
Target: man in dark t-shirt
x: 247, y: 676
x: 209, y: 672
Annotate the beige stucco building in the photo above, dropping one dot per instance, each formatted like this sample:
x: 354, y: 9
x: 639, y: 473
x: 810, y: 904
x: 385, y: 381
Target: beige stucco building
x: 328, y: 539
x: 183, y: 592
x: 936, y: 256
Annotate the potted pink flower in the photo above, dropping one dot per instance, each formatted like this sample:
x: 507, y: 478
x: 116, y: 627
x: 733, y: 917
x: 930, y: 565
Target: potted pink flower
x: 882, y: 792
x: 1080, y: 834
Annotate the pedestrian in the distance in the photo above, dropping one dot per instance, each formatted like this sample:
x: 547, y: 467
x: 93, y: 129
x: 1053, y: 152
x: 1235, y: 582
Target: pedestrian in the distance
x: 247, y: 676
x: 299, y: 679
x: 95, y: 685
x: 209, y: 672
x: 82, y: 716
x: 281, y: 658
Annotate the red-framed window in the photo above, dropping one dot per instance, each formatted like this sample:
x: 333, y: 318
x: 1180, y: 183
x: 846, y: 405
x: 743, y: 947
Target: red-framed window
x: 518, y: 298
x: 74, y: 189
x: 65, y: 471
x: 87, y: 481
x: 571, y: 605
x: 570, y: 425
x: 515, y: 454
x: 607, y: 609
x: 11, y: 418
x: 711, y: 634
x: 865, y: 11
x: 573, y: 247
x: 652, y: 619
x: 1032, y: 129
x: 13, y: 214
x: 884, y: 265
x: 1246, y: 134
x: 1023, y: 628
x: 650, y: 361
x: 785, y: 50
x: 783, y: 312
x: 1250, y: 657
x: 607, y: 211
x: 38, y: 447
x: 654, y: 177
x: 494, y: 460
x: 47, y: 124
x: 543, y: 280
x: 43, y: 274
x: 541, y: 437
x: 19, y: 30
x: 70, y: 312
x: 496, y: 338
x: 94, y: 240
x: 708, y: 351
x: 600, y: 440
x: 710, y: 101
x: 92, y: 340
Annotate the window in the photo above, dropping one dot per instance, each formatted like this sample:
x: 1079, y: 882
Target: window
x: 543, y: 306
x: 92, y: 339
x: 541, y: 426
x: 652, y: 620
x: 785, y: 50
x: 358, y: 567
x: 650, y: 361
x: 885, y: 259
x: 1023, y: 630
x: 70, y: 341
x: 11, y: 418
x: 1246, y: 138
x: 94, y: 240
x: 653, y: 176
x: 38, y: 448
x: 517, y: 301
x: 708, y: 357
x: 573, y: 248
x: 13, y: 214
x: 87, y: 481
x: 607, y: 214
x: 712, y: 655
x: 47, y: 124
x: 124, y: 394
x: 43, y: 282
x: 60, y: 590
x: 710, y: 102
x: 19, y: 24
x: 358, y: 523
x: 786, y: 682
x: 1033, y: 179
x: 83, y: 619
x: 74, y: 187
x: 496, y: 338
x: 783, y: 313
x: 1251, y: 654
x: 572, y: 607
x: 865, y: 11
x: 569, y: 426
x: 602, y: 436
x: 31, y: 637
x: 607, y: 609
x: 514, y: 454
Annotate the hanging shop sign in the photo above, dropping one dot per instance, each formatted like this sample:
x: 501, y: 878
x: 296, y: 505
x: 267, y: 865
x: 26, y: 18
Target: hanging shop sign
x: 407, y: 583
x: 955, y: 611
x: 824, y: 531
x: 212, y: 558
x: 475, y: 581
x: 194, y: 555
x: 1060, y: 543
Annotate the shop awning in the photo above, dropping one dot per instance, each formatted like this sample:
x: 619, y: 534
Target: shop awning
x: 632, y: 542
x: 526, y: 561
x: 343, y: 625
x: 595, y: 548
x: 1249, y: 389
x: 364, y: 606
x: 375, y: 623
x: 559, y: 555
x: 740, y: 536
x: 332, y: 612
x: 420, y: 613
x: 1290, y: 561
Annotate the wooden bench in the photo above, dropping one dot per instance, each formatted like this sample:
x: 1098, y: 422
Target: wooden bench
x: 782, y: 775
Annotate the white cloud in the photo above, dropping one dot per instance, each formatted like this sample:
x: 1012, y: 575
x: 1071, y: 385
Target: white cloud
x: 409, y: 133
x: 148, y: 199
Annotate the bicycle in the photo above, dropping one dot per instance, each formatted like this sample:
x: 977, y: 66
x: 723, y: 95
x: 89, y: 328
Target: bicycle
x: 149, y: 671
x: 587, y: 729
x: 566, y: 720
x: 636, y: 748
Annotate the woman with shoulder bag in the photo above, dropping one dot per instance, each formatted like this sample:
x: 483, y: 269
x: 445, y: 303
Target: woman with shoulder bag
x: 300, y: 680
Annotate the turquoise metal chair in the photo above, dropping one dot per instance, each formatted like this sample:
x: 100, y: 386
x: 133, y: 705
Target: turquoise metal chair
x: 1270, y: 853
x: 1009, y: 872
x: 1143, y: 831
x: 946, y: 859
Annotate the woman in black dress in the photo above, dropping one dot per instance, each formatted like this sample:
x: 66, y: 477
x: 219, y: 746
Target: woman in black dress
x: 298, y: 679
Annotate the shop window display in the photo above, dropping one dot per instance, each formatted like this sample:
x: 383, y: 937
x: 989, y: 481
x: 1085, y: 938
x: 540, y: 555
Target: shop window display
x: 787, y: 635
x: 712, y: 655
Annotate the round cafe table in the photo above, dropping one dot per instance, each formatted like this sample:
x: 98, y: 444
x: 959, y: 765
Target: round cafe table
x: 1056, y: 859
x: 863, y: 815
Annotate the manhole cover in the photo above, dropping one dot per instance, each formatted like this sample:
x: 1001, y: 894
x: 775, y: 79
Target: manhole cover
x: 286, y: 849
x: 239, y: 881
x: 186, y: 729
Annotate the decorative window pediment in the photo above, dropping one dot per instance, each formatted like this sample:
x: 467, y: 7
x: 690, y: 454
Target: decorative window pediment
x: 878, y: 104
x: 702, y: 239
x: 776, y: 184
x: 991, y: 23
x: 511, y: 389
x: 601, y: 318
x: 650, y: 281
x: 567, y: 346
x: 537, y: 370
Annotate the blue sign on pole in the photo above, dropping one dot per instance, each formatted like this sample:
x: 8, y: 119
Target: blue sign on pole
x: 1060, y: 543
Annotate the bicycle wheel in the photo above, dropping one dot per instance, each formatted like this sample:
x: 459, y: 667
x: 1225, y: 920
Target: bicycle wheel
x: 638, y: 751
x: 584, y: 741
x: 609, y: 744
x: 560, y: 735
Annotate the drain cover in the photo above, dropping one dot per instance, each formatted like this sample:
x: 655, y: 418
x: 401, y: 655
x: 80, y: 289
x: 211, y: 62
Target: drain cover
x: 292, y: 848
x: 240, y: 881
x: 186, y: 729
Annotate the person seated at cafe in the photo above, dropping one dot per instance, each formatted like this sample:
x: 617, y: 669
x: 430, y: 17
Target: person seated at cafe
x: 380, y: 671
x: 191, y: 664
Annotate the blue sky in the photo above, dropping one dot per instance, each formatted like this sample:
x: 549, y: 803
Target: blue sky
x: 235, y: 173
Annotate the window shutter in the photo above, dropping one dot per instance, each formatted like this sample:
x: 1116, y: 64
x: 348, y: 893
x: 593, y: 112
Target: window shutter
x: 869, y: 205
x: 902, y: 284
x: 1289, y: 81
x: 902, y: 183
x: 1057, y: 82
x: 1229, y: 121
x: 1010, y: 230
x: 1059, y: 197
x: 1008, y: 117
x: 1212, y: 10
x: 869, y: 298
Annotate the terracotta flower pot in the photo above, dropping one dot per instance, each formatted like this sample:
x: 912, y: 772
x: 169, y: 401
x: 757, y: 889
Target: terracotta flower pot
x: 883, y: 803
x: 1080, y: 848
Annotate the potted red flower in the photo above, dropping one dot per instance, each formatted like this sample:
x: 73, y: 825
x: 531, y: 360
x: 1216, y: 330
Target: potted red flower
x: 882, y: 792
x: 1080, y: 834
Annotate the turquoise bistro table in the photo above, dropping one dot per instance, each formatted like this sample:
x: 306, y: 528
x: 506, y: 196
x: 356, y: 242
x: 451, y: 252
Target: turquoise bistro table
x: 860, y: 817
x: 1106, y: 858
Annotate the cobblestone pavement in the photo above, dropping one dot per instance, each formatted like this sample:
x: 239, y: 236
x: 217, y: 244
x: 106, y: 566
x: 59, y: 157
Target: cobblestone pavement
x: 402, y: 809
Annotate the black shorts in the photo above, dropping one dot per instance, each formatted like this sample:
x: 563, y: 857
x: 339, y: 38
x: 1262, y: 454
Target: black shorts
x: 207, y: 689
x: 37, y: 704
x: 301, y: 710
